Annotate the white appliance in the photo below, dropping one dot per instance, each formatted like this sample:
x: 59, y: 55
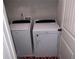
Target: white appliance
x: 45, y: 36
x: 22, y: 38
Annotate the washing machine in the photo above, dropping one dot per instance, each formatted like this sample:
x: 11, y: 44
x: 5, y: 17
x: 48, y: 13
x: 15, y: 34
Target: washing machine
x: 45, y: 36
x: 22, y: 38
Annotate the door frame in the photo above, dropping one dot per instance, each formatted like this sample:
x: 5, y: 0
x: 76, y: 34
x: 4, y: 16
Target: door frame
x: 7, y: 41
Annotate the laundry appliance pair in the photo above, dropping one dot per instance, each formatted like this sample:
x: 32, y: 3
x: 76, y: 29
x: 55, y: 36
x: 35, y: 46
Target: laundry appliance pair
x: 38, y: 38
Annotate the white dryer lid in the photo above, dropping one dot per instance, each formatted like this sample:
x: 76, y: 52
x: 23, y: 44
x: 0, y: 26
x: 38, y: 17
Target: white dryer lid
x: 45, y: 27
x: 20, y: 26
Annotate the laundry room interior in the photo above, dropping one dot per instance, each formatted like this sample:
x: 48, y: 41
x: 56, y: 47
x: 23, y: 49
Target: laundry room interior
x: 41, y: 29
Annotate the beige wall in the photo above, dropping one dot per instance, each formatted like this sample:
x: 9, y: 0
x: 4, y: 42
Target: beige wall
x: 33, y: 8
x: 60, y: 11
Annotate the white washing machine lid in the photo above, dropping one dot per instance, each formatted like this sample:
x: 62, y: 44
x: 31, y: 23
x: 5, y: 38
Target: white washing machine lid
x: 21, y: 26
x: 45, y: 27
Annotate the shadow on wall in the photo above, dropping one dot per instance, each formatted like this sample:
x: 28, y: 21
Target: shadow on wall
x: 33, y: 8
